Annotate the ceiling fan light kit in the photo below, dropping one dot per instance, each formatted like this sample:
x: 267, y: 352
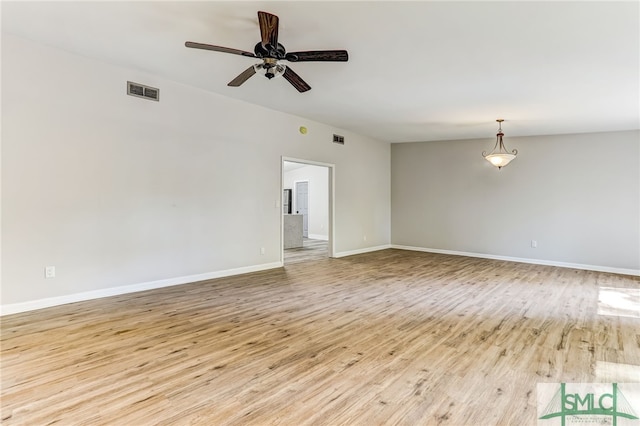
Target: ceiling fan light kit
x: 270, y: 70
x: 500, y: 157
x: 271, y: 52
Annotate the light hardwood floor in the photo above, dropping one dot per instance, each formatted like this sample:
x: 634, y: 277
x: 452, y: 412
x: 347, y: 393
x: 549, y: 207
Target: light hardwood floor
x: 390, y: 337
x: 310, y: 250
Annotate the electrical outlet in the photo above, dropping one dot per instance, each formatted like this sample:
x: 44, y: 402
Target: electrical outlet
x: 534, y: 244
x: 262, y: 250
x: 364, y: 238
x: 49, y: 271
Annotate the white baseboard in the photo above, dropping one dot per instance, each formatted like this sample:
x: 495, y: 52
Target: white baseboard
x: 32, y: 305
x: 15, y: 308
x: 362, y: 250
x: 623, y: 271
x: 318, y: 237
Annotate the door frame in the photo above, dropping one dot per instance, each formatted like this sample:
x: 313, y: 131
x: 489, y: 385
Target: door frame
x: 332, y: 210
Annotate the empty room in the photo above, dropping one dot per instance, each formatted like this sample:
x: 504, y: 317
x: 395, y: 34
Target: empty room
x: 320, y: 213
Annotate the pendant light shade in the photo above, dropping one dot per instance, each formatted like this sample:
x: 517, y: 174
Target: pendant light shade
x: 500, y: 157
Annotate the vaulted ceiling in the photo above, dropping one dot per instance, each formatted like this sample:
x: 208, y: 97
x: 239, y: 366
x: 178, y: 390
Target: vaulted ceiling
x: 417, y: 70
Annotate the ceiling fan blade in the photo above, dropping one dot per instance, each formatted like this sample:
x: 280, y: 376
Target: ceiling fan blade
x: 244, y: 76
x: 318, y: 55
x: 295, y: 80
x: 268, y: 28
x: 219, y: 49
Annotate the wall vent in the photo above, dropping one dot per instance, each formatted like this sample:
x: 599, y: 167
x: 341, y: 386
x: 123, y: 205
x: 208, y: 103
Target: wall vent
x: 142, y: 91
x: 338, y: 139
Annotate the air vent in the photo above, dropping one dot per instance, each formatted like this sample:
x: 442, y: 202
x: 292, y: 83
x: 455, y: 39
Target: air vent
x: 338, y: 139
x: 142, y: 91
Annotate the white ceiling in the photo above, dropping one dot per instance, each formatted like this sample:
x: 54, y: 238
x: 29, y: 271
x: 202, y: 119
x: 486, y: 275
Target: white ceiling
x: 417, y: 71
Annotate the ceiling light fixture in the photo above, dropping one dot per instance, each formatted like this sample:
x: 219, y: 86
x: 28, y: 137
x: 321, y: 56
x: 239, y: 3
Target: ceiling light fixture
x: 270, y: 68
x: 500, y: 157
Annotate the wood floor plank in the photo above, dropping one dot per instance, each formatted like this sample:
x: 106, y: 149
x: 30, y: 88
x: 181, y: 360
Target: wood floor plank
x: 311, y: 250
x: 390, y: 337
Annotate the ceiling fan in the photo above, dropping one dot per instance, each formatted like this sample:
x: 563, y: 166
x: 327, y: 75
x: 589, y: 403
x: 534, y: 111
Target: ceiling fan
x: 271, y: 52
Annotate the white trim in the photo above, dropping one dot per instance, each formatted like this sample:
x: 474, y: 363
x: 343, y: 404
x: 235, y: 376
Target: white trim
x: 307, y: 162
x: 362, y: 250
x: 332, y: 211
x: 318, y: 237
x: 32, y: 305
x: 623, y: 271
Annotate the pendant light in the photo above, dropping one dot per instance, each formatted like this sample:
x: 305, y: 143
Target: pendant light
x: 500, y: 157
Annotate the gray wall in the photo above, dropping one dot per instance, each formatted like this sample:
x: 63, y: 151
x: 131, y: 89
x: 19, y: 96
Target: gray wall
x: 318, y: 202
x: 117, y: 191
x: 577, y: 195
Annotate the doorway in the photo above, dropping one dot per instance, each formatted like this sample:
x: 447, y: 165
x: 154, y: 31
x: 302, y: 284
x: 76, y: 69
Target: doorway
x: 307, y: 219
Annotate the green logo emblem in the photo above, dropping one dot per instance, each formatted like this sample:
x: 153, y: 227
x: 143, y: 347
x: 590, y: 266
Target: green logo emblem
x: 576, y: 404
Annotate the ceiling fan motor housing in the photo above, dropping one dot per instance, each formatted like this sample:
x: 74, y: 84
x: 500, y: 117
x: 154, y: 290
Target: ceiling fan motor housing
x: 269, y: 51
